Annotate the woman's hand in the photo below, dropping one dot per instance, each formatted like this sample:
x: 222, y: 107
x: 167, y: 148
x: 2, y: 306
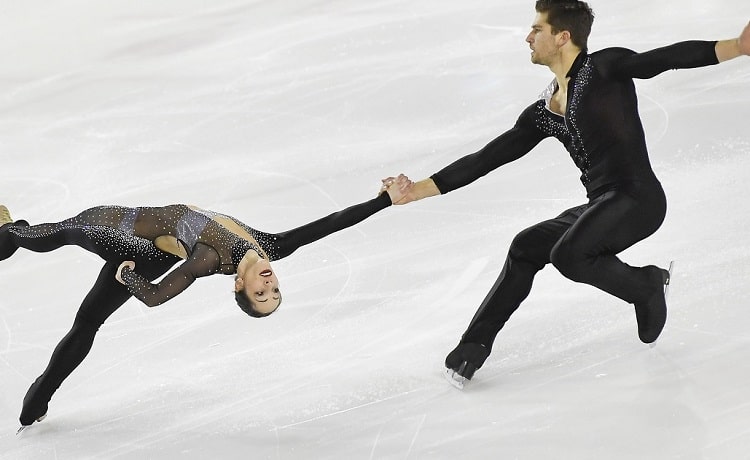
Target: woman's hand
x: 128, y: 264
x: 398, y: 189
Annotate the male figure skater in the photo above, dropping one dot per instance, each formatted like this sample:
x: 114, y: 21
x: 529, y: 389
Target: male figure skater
x: 591, y: 108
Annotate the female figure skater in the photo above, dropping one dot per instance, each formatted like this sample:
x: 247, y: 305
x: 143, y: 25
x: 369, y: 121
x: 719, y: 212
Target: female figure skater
x: 141, y: 244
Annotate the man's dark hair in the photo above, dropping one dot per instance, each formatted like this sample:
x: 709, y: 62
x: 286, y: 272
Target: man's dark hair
x: 248, y: 306
x: 574, y: 16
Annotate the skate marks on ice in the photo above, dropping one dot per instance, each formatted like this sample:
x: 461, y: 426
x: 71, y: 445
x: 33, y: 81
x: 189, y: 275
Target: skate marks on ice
x: 531, y: 392
x: 348, y: 409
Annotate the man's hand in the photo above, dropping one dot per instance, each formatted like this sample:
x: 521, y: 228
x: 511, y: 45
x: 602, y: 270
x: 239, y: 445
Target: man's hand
x: 398, y: 189
x: 730, y: 49
x: 744, y: 40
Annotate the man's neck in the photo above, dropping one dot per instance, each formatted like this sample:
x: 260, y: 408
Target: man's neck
x: 561, y: 66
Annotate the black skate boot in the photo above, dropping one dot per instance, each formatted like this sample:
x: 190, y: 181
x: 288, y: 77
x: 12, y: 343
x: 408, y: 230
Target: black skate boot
x: 652, y: 314
x: 35, y: 406
x: 463, y: 361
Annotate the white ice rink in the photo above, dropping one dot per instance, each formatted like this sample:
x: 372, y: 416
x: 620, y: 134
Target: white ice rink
x: 282, y: 112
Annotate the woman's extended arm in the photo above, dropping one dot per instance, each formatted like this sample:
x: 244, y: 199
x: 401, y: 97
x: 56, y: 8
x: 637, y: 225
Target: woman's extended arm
x: 289, y: 241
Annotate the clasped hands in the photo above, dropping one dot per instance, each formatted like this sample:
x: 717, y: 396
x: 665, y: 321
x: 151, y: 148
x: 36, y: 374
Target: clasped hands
x: 398, y: 189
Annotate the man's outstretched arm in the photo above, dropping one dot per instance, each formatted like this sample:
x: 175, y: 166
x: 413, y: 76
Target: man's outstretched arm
x: 508, y: 147
x: 682, y: 55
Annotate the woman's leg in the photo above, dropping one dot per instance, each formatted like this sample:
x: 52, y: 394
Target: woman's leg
x: 106, y: 296
x: 7, y: 244
x: 94, y: 229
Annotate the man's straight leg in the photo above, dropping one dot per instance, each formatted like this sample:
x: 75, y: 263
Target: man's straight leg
x: 529, y: 252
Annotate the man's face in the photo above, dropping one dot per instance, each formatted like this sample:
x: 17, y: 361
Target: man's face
x: 543, y: 43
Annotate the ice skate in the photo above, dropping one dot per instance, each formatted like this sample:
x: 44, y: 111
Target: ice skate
x: 652, y: 315
x: 23, y: 427
x: 35, y: 405
x: 463, y: 362
x: 456, y: 378
x: 5, y: 215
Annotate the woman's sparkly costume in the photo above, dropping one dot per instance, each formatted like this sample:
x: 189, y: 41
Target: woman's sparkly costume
x: 118, y: 234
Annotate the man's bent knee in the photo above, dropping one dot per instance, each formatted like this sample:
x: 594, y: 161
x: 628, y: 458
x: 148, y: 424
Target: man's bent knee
x: 526, y: 247
x: 570, y: 264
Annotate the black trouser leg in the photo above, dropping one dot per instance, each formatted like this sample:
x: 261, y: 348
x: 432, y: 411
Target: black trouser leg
x: 587, y: 253
x: 615, y: 221
x: 583, y: 244
x: 529, y: 252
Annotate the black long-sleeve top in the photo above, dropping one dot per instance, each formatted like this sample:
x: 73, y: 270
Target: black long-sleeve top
x: 601, y: 129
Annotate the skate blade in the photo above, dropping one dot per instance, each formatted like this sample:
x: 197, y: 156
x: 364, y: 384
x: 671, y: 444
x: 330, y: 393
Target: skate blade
x: 23, y: 427
x: 455, y: 379
x: 668, y: 280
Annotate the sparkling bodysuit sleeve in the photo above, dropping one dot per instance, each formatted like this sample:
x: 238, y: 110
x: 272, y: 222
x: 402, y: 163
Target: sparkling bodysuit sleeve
x: 509, y: 146
x: 204, y: 261
x: 289, y: 241
x: 683, y: 55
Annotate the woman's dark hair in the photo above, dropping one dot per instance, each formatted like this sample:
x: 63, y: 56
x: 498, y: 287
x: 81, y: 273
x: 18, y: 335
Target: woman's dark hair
x: 248, y: 306
x: 574, y: 16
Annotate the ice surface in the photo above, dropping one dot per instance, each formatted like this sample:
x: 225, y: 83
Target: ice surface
x: 281, y: 112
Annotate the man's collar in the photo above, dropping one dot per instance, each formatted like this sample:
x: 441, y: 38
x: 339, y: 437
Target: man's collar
x: 577, y: 64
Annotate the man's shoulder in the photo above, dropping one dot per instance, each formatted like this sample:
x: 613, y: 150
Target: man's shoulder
x: 611, y: 53
x: 606, y: 61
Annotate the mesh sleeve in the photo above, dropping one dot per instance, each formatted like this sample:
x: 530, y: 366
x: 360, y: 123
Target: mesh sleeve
x: 203, y: 262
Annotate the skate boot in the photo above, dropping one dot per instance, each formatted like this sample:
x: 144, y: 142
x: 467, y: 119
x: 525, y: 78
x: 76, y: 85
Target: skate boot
x: 463, y: 361
x: 7, y: 248
x: 652, y: 314
x: 4, y: 215
x: 35, y: 406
